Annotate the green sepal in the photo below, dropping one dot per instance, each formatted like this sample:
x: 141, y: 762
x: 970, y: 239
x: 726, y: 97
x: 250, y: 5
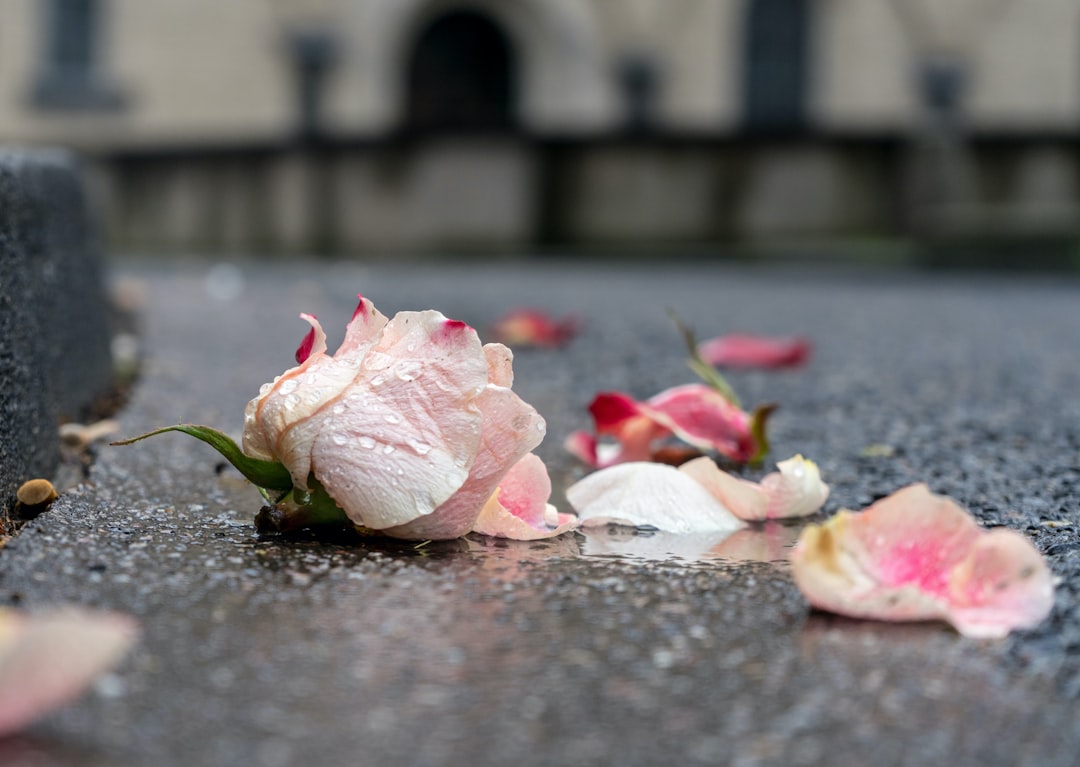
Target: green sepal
x: 706, y: 372
x: 303, y: 507
x: 758, y: 423
x: 269, y: 475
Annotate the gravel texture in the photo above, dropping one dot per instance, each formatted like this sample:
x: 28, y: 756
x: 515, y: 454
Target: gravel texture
x: 583, y: 650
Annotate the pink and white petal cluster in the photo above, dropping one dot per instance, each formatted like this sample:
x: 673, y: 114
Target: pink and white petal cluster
x: 915, y: 555
x: 694, y: 413
x: 697, y: 497
x: 519, y: 508
x: 48, y: 659
x: 745, y: 350
x: 409, y: 426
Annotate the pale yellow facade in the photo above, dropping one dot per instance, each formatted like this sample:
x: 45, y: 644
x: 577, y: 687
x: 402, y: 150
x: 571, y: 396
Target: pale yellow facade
x: 631, y: 121
x: 194, y: 71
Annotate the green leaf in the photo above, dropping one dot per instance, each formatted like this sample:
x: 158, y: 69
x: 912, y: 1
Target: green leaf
x: 269, y: 475
x: 706, y: 372
x: 758, y: 423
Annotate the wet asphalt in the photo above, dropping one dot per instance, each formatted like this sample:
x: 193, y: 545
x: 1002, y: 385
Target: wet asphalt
x: 611, y: 648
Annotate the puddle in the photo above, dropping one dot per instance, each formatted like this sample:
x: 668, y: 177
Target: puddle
x: 769, y: 542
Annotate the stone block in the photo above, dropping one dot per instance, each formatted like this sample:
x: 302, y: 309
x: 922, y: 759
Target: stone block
x: 54, y: 324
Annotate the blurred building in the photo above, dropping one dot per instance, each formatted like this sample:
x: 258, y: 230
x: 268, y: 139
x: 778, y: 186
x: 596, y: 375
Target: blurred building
x: 381, y: 125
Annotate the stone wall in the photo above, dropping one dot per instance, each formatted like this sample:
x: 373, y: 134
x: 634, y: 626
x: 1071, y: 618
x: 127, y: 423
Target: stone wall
x: 54, y: 330
x: 454, y: 194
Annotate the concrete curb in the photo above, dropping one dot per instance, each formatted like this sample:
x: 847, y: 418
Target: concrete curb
x: 54, y: 326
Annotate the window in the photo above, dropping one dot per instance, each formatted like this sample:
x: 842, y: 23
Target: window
x: 70, y: 76
x: 774, y: 87
x: 462, y: 75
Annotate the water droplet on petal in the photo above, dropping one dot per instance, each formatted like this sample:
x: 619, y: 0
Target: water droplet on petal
x: 388, y: 449
x: 291, y: 401
x: 339, y: 409
x: 421, y: 448
x: 391, y: 418
x: 367, y: 442
x: 288, y: 387
x: 408, y: 370
x: 339, y: 438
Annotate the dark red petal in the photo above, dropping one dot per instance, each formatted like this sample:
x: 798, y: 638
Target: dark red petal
x: 610, y: 408
x: 304, y: 350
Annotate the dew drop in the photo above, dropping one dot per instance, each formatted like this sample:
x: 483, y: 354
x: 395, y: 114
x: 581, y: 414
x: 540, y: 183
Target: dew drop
x: 377, y: 361
x: 339, y: 409
x: 391, y: 418
x: 421, y: 448
x: 339, y: 438
x: 291, y: 401
x: 388, y: 449
x: 408, y: 370
x: 288, y: 387
x: 378, y: 380
x: 367, y: 442
x: 265, y: 388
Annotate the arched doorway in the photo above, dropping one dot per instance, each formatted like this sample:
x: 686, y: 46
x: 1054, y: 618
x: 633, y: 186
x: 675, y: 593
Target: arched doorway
x: 462, y: 75
x: 775, y: 64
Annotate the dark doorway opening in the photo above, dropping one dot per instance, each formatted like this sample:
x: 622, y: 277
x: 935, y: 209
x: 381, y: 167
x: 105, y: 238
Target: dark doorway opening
x: 775, y: 83
x: 462, y: 76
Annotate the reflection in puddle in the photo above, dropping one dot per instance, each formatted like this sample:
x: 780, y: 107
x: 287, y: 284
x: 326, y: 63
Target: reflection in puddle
x: 769, y: 542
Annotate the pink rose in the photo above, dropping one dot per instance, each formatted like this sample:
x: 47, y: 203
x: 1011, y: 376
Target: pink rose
x: 409, y: 426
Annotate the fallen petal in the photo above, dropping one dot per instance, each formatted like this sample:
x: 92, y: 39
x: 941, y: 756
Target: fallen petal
x: 646, y: 494
x: 918, y: 556
x: 49, y: 659
x: 701, y: 416
x: 794, y: 491
x: 533, y: 327
x: 743, y: 350
x: 1003, y: 584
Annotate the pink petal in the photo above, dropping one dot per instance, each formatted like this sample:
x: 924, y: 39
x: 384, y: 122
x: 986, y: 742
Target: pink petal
x: 49, y: 659
x: 500, y: 361
x: 794, y: 491
x: 702, y: 417
x: 318, y: 377
x: 532, y: 327
x: 649, y: 494
x: 582, y: 445
x: 306, y: 346
x: 511, y: 428
x: 1002, y: 584
x: 917, y: 556
x: 400, y: 440
x: 745, y: 350
x: 746, y: 500
x: 631, y: 425
x: 519, y: 508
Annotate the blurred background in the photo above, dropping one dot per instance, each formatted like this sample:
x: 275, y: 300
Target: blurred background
x: 367, y: 128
